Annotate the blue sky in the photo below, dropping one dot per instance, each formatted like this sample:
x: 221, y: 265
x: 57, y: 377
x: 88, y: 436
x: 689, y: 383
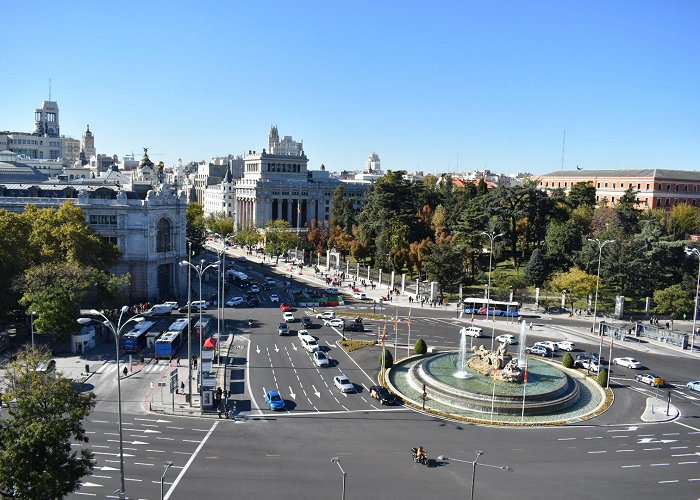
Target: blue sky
x: 434, y: 86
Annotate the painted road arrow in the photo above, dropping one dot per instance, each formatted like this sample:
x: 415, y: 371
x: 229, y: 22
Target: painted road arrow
x: 105, y: 468
x: 651, y: 440
x: 159, y: 421
x: 257, y: 349
x: 318, y: 394
x: 127, y: 442
x: 277, y: 349
x: 145, y: 431
x: 294, y: 396
x: 294, y: 346
x: 91, y: 485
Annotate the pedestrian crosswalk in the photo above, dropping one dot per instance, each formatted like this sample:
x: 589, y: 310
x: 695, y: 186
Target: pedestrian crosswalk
x: 152, y: 367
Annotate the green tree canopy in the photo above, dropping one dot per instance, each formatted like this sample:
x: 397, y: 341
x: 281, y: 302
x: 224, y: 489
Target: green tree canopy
x: 278, y: 238
x: 196, y: 226
x: 674, y: 301
x: 36, y: 457
x: 443, y: 263
x: 582, y: 194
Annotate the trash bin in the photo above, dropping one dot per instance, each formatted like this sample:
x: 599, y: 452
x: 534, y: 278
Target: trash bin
x: 187, y: 398
x: 87, y: 368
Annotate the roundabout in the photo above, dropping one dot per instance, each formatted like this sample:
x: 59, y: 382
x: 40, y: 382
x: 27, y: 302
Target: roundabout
x: 550, y: 394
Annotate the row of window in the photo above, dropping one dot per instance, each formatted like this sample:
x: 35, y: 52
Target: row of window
x: 284, y: 167
x: 666, y: 202
x: 103, y: 220
x: 638, y: 186
x: 36, y: 142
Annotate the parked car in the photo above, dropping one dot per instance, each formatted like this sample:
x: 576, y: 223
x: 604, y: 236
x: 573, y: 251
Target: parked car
x: 382, y: 394
x: 343, y: 383
x: 320, y: 358
x: 326, y: 315
x: 282, y: 329
x: 160, y: 310
x: 359, y: 295
x: 627, y: 363
x: 274, y: 400
x: 507, y: 339
x: 285, y: 307
x: 650, y: 378
x: 255, y: 289
x: 566, y: 345
x: 335, y: 322
x: 538, y: 350
x: 306, y: 322
x: 547, y: 344
x: 587, y: 355
x: 288, y: 317
x: 471, y: 331
x: 695, y: 385
x: 274, y: 298
x: 308, y: 342
x: 173, y: 305
x: 195, y: 305
x: 234, y: 301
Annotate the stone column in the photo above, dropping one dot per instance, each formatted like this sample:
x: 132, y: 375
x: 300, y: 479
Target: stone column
x: 369, y: 268
x: 403, y: 284
x: 347, y: 268
x: 391, y: 286
x: 328, y: 260
x: 357, y: 272
x: 379, y: 282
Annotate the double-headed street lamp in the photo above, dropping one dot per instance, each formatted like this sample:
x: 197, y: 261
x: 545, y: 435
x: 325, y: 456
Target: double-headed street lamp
x: 600, y: 244
x: 116, y: 331
x: 199, y: 269
x: 491, y: 236
x: 474, y: 463
x: 694, y: 251
x: 336, y: 460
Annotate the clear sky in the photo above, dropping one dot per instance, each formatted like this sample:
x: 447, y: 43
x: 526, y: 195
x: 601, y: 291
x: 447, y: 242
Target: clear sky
x: 429, y: 85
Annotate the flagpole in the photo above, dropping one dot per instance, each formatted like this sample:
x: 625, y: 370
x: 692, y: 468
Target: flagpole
x: 522, y: 416
x: 493, y: 394
x: 607, y: 382
x: 383, y: 354
x: 408, y: 342
x: 396, y: 334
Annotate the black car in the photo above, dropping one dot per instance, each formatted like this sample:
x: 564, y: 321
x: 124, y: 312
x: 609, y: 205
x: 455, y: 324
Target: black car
x: 382, y: 395
x: 306, y: 322
x: 266, y: 286
x: 254, y: 302
x: 354, y: 327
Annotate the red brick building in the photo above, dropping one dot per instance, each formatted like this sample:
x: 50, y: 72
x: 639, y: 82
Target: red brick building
x: 656, y: 188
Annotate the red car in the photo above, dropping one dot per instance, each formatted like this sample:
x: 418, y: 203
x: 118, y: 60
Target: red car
x: 285, y: 308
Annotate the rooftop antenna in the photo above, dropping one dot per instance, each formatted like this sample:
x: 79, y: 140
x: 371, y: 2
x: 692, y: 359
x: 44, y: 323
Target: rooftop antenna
x: 563, y: 148
x: 49, y: 89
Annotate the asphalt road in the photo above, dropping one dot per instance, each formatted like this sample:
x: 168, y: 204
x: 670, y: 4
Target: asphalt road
x: 287, y: 454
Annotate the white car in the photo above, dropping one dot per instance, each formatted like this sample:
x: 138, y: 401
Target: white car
x: 587, y: 364
x: 343, y: 383
x: 471, y: 331
x: 359, y: 295
x: 320, y: 358
x: 548, y: 344
x: 507, y: 339
x: 566, y: 345
x: 255, y: 289
x: 288, y: 317
x: 335, y: 322
x: 173, y: 305
x: 627, y: 363
x: 234, y: 301
x: 274, y: 298
x: 326, y: 315
x: 301, y: 333
x: 309, y: 343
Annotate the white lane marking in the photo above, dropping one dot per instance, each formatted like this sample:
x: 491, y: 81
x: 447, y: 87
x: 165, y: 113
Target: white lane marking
x: 141, y: 463
x: 601, y: 451
x: 566, y: 439
x: 622, y: 451
x: 686, y: 425
x: 664, y: 482
x: 685, y: 463
x: 630, y: 466
x: 189, y: 462
x: 596, y: 437
x: 100, y: 421
x: 656, y: 465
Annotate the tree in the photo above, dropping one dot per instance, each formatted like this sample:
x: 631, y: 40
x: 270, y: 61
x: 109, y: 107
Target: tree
x: 577, y: 283
x: 55, y: 292
x: 603, y: 377
x: 220, y: 224
x: 196, y: 227
x: 15, y: 256
x: 674, y: 301
x: 36, y: 457
x: 278, y: 238
x: 318, y: 237
x: 420, y: 347
x: 443, y: 264
x: 248, y: 237
x: 567, y: 360
x: 537, y: 269
x: 386, y: 360
x: 683, y: 220
x: 342, y: 214
x: 582, y: 194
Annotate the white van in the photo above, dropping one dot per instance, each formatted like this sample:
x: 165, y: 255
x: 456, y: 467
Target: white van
x: 160, y: 310
x: 309, y: 343
x: 471, y: 331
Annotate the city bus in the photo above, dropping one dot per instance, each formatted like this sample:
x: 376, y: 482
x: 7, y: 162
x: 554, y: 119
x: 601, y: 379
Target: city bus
x: 167, y: 345
x: 135, y: 339
x: 473, y: 305
x: 181, y: 325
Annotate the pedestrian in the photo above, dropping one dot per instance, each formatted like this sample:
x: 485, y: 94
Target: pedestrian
x: 182, y: 387
x: 125, y: 371
x: 530, y: 325
x: 177, y: 361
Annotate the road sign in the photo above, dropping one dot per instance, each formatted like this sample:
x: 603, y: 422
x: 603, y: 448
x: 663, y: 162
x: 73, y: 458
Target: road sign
x: 173, y: 380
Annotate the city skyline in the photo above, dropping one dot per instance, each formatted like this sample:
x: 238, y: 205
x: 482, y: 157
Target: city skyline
x: 448, y: 87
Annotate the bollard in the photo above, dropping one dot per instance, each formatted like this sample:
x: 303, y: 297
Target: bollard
x: 87, y: 368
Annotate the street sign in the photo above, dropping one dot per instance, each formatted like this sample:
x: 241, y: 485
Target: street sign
x: 173, y: 380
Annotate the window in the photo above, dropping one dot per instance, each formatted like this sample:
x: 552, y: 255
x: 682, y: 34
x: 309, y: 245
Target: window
x: 163, y: 238
x: 599, y: 185
x: 668, y: 188
x: 606, y: 184
x: 613, y: 185
x: 647, y: 185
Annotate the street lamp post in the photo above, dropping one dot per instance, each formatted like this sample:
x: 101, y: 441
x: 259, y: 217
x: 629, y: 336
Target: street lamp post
x: 199, y: 269
x: 167, y: 465
x: 116, y: 331
x: 491, y: 236
x: 595, y: 302
x: 31, y: 324
x: 474, y: 463
x: 336, y: 460
x: 694, y: 251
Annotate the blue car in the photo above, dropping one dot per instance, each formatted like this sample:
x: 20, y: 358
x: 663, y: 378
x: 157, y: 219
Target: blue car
x: 274, y: 400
